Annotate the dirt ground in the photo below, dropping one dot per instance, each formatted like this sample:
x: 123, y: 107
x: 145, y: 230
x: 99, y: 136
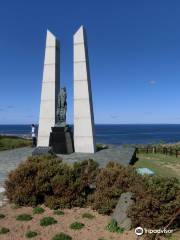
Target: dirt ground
x: 94, y: 228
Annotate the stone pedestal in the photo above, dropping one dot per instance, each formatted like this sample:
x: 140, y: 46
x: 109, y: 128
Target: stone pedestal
x: 61, y: 140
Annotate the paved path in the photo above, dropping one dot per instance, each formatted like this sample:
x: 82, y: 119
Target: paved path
x: 9, y: 160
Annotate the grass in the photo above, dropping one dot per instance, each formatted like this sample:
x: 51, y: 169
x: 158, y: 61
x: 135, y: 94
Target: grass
x: 2, y: 216
x: 100, y: 146
x: 88, y: 215
x: 4, y: 230
x: 58, y: 212
x: 24, y: 217
x: 113, y: 227
x: 61, y: 236
x: 77, y: 226
x: 38, y: 210
x: 11, y: 142
x: 163, y: 165
x: 46, y: 221
x: 31, y: 234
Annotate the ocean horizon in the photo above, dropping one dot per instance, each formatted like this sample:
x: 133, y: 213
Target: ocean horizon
x: 117, y: 134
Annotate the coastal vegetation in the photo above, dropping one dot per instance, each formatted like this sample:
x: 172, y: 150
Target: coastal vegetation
x: 113, y: 227
x: 11, y: 142
x: 162, y: 165
x: 162, y: 159
x: 31, y: 234
x: 48, y: 180
x: 76, y: 225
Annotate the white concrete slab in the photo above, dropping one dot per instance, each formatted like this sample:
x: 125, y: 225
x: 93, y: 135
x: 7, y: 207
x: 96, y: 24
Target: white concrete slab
x: 84, y: 140
x: 50, y: 89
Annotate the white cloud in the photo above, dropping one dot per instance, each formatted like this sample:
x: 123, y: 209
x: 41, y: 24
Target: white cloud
x: 152, y: 82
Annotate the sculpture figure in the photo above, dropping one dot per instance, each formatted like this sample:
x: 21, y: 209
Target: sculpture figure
x: 61, y: 108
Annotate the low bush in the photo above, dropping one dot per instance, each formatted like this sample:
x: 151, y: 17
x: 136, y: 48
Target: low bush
x: 62, y: 236
x: 77, y: 226
x: 24, y: 217
x: 46, y: 221
x: 157, y: 203
x: 31, y: 234
x: 58, y: 212
x: 31, y: 181
x: 113, y: 227
x: 38, y: 210
x: 4, y: 230
x: 157, y: 199
x: 112, y: 180
x: 45, y: 179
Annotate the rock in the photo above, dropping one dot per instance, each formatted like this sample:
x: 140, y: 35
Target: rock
x: 120, y: 212
x: 42, y: 151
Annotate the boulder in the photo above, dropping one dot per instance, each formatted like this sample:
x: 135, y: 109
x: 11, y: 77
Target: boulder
x: 120, y: 212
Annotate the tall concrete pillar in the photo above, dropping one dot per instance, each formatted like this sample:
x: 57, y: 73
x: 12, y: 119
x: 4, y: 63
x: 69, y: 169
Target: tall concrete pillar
x: 50, y: 89
x: 84, y: 139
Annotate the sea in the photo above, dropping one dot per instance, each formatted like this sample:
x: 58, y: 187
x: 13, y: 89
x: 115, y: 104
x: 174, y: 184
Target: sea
x: 118, y: 134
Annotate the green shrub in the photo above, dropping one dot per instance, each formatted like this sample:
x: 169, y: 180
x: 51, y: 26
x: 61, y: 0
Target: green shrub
x: 4, y: 230
x: 24, y: 217
x: 46, y: 179
x: 38, y: 210
x: 58, y: 212
x: 62, y: 236
x: 77, y: 225
x: 88, y: 215
x: 157, y: 201
x: 31, y: 234
x: 46, y: 221
x: 100, y: 147
x: 2, y: 216
x: 30, y: 182
x: 156, y: 198
x: 113, y: 227
x: 112, y: 180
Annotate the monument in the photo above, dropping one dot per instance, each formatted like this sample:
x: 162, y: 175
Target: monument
x: 50, y: 90
x: 61, y: 139
x: 84, y: 140
x: 53, y: 105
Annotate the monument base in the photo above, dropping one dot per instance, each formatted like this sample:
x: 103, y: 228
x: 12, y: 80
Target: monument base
x: 61, y: 140
x: 42, y: 151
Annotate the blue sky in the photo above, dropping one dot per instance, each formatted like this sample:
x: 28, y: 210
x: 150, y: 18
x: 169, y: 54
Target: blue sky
x: 134, y: 50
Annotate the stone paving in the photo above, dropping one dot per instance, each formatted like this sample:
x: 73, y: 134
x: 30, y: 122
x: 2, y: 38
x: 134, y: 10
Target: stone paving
x: 119, y: 154
x: 9, y: 160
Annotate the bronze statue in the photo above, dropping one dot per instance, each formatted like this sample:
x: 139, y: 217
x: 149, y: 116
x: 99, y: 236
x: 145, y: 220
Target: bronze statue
x: 61, y: 108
